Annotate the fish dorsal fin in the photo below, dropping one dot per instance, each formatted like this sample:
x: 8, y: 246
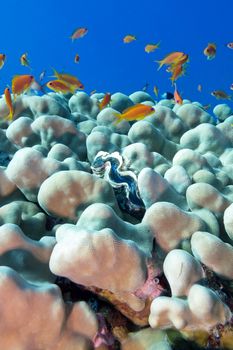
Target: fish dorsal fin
x: 131, y: 107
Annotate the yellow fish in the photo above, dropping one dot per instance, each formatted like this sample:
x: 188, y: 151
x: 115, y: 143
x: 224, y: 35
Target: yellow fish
x: 136, y: 112
x: 129, y: 38
x: 69, y: 79
x: 173, y: 58
x: 60, y: 86
x: 151, y: 47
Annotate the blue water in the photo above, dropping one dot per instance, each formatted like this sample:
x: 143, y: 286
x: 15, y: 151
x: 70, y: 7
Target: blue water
x: 42, y: 28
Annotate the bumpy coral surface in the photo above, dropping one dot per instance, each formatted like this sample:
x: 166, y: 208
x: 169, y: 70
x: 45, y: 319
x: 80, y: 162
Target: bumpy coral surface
x: 80, y: 271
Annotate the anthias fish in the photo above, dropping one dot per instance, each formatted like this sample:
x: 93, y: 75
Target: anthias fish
x: 21, y: 83
x: 156, y: 90
x: 129, y: 38
x: 69, y: 79
x: 173, y: 58
x: 105, y: 101
x: 178, y: 99
x: 136, y: 112
x: 78, y: 33
x: 177, y: 71
x: 60, y: 86
x: 151, y: 47
x: 9, y: 104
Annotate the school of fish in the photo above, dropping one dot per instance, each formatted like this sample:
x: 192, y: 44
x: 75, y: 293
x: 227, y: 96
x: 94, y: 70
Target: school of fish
x: 176, y: 63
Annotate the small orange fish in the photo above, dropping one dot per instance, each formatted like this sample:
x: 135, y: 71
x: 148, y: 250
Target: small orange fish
x: 156, y: 91
x: 21, y: 83
x: 60, y: 86
x: 177, y: 71
x: 105, y: 101
x: 78, y: 33
x: 151, y: 47
x: 220, y: 94
x: 199, y: 88
x: 172, y: 58
x: 76, y: 58
x: 230, y: 45
x: 210, y: 51
x: 24, y: 60
x: 129, y: 38
x: 9, y: 103
x: 2, y: 59
x: 69, y: 79
x: 178, y: 99
x: 136, y: 112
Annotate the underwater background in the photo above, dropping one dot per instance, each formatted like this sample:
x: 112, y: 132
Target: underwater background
x: 149, y: 179
x: 42, y: 29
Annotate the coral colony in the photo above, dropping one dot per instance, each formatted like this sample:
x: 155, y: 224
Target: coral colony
x: 115, y: 235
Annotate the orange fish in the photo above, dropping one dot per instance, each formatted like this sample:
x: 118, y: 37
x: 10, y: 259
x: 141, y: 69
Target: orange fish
x: 178, y: 99
x: 136, y: 112
x: 172, y: 58
x: 105, y: 101
x: 210, y: 51
x: 69, y: 79
x: 60, y: 86
x: 9, y: 103
x: 129, y: 38
x: 21, y: 83
x: 78, y: 33
x: 76, y: 58
x: 220, y: 94
x: 2, y: 59
x: 151, y: 47
x: 24, y: 60
x: 177, y: 71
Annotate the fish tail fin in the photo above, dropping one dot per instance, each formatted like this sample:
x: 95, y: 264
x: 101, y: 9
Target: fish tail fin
x: 10, y: 116
x: 160, y: 64
x: 55, y: 73
x: 72, y: 89
x: 119, y: 118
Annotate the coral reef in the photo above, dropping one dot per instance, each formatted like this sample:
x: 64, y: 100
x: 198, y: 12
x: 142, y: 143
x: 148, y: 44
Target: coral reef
x: 115, y: 235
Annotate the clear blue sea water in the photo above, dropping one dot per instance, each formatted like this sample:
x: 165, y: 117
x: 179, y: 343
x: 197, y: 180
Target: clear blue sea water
x: 42, y: 28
